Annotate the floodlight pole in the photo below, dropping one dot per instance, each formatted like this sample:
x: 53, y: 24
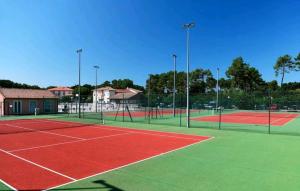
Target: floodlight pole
x: 174, y: 84
x: 188, y: 28
x: 217, y: 101
x: 149, y: 88
x: 79, y: 51
x: 96, y: 96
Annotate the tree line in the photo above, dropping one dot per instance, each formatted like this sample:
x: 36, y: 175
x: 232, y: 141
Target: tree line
x: 240, y: 75
x: 11, y: 84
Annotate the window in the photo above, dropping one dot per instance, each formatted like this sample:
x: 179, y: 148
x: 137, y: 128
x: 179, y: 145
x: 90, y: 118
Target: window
x: 48, y: 106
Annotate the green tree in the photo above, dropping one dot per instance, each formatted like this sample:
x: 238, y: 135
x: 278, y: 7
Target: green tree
x: 297, y: 60
x: 106, y: 83
x: 243, y: 76
x: 284, y: 65
x: 85, y: 91
x: 65, y: 99
x: 122, y: 83
x: 225, y: 83
x: 11, y: 84
x: 273, y: 85
x: 291, y: 86
x: 201, y: 81
x: 49, y: 87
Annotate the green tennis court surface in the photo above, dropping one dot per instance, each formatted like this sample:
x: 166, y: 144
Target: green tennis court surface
x: 234, y: 160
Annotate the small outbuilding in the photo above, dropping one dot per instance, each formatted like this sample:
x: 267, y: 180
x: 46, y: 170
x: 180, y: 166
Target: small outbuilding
x: 27, y: 101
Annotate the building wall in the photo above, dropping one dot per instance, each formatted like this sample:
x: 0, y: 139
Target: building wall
x: 1, y: 105
x: 25, y: 103
x: 103, y: 94
x: 62, y: 93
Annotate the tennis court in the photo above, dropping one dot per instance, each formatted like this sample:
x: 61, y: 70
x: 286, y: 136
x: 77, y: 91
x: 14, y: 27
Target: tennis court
x: 41, y: 154
x: 257, y: 118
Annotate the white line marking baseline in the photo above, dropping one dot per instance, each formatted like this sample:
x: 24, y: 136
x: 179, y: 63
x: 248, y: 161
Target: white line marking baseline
x: 8, y: 185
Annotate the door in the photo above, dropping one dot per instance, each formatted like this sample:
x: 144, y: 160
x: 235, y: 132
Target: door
x: 17, y: 107
x: 32, y: 106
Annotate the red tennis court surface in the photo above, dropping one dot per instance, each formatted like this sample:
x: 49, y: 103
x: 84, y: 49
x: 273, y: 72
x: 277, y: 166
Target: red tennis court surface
x: 40, y: 154
x: 159, y: 113
x: 257, y: 118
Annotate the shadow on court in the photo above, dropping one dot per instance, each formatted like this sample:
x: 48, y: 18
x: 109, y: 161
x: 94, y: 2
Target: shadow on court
x: 101, y: 185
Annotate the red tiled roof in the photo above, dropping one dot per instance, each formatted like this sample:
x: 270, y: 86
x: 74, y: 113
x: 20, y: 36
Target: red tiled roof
x: 25, y: 93
x: 105, y: 88
x: 61, y: 89
x: 123, y: 95
x: 122, y: 91
x: 128, y: 92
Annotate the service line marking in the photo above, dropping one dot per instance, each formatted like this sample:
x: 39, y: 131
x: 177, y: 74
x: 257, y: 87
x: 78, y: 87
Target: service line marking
x: 43, y: 131
x: 129, y: 164
x: 38, y: 165
x: 67, y: 142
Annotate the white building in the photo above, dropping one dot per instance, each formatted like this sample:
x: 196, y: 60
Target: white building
x: 109, y: 94
x: 61, y: 91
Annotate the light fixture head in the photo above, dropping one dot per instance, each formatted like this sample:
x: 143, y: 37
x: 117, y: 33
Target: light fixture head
x: 189, y: 25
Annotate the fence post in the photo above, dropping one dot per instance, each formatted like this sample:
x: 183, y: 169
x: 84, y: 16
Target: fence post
x: 180, y: 111
x: 220, y: 110
x: 270, y: 103
x: 123, y: 108
x: 101, y: 110
x: 149, y: 88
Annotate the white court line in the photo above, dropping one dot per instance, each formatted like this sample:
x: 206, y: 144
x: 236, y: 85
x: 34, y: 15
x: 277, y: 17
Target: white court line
x: 62, y: 122
x: 41, y: 131
x: 131, y: 130
x: 280, y: 118
x: 29, y: 121
x: 8, y: 185
x: 295, y: 117
x: 287, y: 116
x: 118, y: 128
x: 136, y: 162
x: 67, y: 142
x: 35, y: 164
x: 276, y: 120
x: 159, y: 135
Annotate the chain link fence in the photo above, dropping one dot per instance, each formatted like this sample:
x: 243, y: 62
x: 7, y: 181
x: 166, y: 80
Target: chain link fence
x: 263, y: 112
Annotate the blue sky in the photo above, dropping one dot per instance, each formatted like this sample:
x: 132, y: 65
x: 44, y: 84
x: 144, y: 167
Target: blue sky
x: 132, y: 38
